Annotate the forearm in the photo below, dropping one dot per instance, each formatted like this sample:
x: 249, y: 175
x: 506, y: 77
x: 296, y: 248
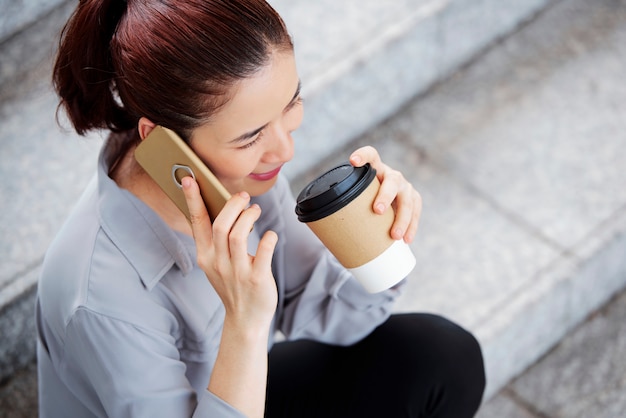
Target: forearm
x: 240, y: 372
x: 334, y: 308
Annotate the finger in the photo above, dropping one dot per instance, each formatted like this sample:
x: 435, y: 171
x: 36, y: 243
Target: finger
x: 238, y: 237
x: 389, y: 178
x: 368, y: 154
x: 198, y: 215
x: 364, y: 155
x: 265, y: 250
x: 392, y: 187
x: 406, y: 212
x: 225, y: 221
x: 409, y: 236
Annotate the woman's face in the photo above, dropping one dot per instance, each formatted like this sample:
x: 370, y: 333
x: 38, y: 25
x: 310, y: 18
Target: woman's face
x: 249, y: 139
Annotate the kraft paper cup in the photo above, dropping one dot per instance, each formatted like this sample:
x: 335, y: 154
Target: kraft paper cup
x: 337, y: 206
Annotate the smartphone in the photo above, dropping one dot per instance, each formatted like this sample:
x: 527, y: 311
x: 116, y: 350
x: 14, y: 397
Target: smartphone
x: 168, y: 159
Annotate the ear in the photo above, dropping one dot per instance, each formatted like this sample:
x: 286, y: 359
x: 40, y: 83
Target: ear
x: 145, y: 126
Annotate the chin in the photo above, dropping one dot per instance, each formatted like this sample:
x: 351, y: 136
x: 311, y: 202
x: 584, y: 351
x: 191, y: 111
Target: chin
x: 257, y: 188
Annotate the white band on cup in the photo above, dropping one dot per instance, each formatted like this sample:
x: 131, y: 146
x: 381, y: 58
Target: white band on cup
x: 386, y: 270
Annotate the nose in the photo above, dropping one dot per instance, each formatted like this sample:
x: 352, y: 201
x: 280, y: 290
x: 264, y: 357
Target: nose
x: 280, y: 148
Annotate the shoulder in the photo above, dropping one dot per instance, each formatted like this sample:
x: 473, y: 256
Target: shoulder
x: 68, y: 263
x: 85, y: 268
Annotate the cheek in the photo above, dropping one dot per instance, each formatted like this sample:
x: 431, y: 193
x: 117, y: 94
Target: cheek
x: 228, y: 167
x: 233, y: 177
x: 233, y: 169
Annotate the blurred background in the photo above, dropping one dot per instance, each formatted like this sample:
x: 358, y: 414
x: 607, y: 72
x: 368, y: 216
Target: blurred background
x: 507, y: 115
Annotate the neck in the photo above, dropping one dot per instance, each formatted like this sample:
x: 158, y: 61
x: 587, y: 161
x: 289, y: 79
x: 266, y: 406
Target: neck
x: 129, y: 175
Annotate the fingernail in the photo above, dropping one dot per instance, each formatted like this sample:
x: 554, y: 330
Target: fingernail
x: 399, y: 233
x: 186, y: 181
x: 356, y: 159
x: 380, y: 208
x: 244, y: 195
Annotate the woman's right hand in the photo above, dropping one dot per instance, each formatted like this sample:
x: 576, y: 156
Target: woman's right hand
x: 245, y: 283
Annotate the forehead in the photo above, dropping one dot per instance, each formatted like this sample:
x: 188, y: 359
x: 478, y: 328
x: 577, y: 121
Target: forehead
x: 258, y: 99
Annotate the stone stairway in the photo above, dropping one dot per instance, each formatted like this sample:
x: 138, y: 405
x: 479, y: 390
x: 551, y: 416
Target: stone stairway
x: 519, y: 157
x: 504, y: 114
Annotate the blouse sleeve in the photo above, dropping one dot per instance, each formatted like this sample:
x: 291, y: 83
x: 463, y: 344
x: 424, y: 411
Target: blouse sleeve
x: 141, y: 377
x: 322, y: 300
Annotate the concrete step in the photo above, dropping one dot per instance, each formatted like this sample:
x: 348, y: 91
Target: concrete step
x: 520, y: 161
x: 360, y: 62
x: 20, y: 14
x: 583, y: 376
x: 28, y: 37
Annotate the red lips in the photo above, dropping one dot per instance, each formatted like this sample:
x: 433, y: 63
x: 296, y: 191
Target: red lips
x: 265, y: 176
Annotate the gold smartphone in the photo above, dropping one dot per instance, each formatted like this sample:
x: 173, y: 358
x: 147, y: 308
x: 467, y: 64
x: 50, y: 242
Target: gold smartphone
x: 168, y: 159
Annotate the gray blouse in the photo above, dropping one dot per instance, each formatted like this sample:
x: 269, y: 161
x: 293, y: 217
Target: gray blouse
x: 128, y: 325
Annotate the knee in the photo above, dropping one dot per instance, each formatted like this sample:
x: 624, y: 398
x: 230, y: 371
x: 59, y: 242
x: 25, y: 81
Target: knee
x: 459, y: 344
x: 460, y: 361
x: 437, y: 363
x: 452, y: 355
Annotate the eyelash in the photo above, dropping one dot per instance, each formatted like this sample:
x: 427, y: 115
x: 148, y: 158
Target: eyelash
x: 254, y: 141
x: 293, y: 104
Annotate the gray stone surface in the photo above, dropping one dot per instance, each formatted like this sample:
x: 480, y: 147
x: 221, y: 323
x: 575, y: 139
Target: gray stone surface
x: 521, y: 174
x: 505, y: 406
x: 584, y: 373
x: 357, y: 67
x: 368, y: 58
x: 45, y: 172
x: 518, y: 158
x: 18, y: 397
x: 17, y: 326
x: 464, y: 246
x: 584, y: 376
x: 17, y: 14
x: 541, y: 109
x: 26, y: 56
x: 353, y: 33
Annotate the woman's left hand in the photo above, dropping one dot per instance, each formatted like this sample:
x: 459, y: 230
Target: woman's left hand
x: 394, y: 191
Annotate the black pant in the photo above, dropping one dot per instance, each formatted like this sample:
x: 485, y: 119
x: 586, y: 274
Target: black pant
x: 413, y: 365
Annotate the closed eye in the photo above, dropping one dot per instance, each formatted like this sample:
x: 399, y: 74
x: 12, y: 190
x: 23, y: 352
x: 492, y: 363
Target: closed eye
x: 252, y: 142
x: 295, y: 102
x: 256, y: 135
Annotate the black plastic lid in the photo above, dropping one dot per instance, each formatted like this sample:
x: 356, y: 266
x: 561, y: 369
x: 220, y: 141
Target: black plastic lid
x: 332, y: 191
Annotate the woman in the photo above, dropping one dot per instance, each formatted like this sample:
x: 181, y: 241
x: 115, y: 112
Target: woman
x: 141, y: 313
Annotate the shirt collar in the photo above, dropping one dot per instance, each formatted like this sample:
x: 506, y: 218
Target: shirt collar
x: 140, y: 234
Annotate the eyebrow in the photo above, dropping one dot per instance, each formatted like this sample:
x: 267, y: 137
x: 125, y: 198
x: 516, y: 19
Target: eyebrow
x: 248, y: 135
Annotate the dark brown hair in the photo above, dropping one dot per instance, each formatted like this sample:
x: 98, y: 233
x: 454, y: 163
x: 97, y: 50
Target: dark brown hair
x: 171, y: 61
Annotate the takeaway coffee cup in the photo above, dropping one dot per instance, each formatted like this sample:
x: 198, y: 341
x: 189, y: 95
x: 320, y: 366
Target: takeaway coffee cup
x: 338, y: 207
